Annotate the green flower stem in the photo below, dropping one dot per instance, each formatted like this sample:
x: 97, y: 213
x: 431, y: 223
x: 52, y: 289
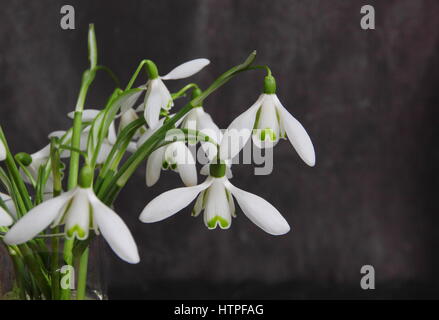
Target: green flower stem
x: 225, y: 77
x: 182, y: 91
x: 74, y: 156
x: 82, y: 275
x: 134, y: 76
x: 57, y: 189
x: 72, y: 182
x: 87, y: 79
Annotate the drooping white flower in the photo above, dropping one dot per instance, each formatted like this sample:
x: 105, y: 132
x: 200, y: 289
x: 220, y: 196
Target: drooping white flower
x: 271, y: 121
x: 158, y: 96
x: 215, y: 197
x: 175, y: 156
x: 80, y: 210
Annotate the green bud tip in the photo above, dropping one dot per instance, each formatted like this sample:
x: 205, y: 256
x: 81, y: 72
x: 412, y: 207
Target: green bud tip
x: 86, y: 177
x: 217, y: 170
x: 24, y: 158
x: 153, y: 73
x: 196, y: 93
x: 269, y: 85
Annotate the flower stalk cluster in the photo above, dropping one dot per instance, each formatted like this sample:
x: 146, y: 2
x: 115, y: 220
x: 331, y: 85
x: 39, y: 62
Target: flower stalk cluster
x: 61, y: 197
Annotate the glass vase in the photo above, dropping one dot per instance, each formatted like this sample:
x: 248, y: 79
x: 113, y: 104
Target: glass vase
x: 19, y: 279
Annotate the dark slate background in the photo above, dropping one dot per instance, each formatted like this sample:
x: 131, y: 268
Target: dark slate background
x: 368, y: 99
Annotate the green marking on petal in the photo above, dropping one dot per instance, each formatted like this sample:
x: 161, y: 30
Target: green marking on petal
x: 75, y: 229
x: 267, y: 133
x: 211, y: 224
x: 165, y: 165
x: 173, y: 166
x: 258, y: 116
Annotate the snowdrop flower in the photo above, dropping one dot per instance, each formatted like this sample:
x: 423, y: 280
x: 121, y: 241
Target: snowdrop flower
x: 157, y: 95
x: 80, y: 210
x: 271, y: 121
x: 175, y: 156
x: 2, y: 151
x: 215, y: 197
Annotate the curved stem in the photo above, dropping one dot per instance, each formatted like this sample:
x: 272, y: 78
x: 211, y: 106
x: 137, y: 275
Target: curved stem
x: 182, y: 91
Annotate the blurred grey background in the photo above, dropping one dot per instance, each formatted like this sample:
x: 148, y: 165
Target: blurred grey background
x: 368, y: 99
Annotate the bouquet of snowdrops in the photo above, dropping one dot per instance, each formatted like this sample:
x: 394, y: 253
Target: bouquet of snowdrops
x: 60, y: 198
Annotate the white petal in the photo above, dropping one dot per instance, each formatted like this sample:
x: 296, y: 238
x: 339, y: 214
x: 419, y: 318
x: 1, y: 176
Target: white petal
x: 153, y: 103
x: 199, y: 204
x: 267, y: 125
x: 37, y: 219
x: 167, y: 101
x: 179, y: 154
x: 231, y: 203
x: 58, y: 134
x: 188, y: 174
x: 104, y: 151
x: 205, y: 170
x: 114, y: 230
x: 132, y: 147
x: 88, y: 115
x: 41, y: 155
x: 5, y: 218
x: 297, y: 135
x: 239, y: 131
x: 2, y: 151
x: 217, y: 210
x: 259, y: 211
x: 127, y: 117
x: 154, y: 166
x: 170, y: 202
x: 186, y: 69
x: 130, y: 102
x: 207, y: 127
x: 112, y: 136
x: 9, y: 204
x: 149, y: 132
x: 77, y: 217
